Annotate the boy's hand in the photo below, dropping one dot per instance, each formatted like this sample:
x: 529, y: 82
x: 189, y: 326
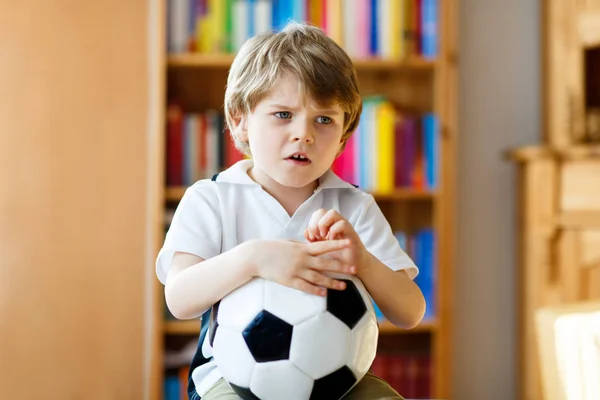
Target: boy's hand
x: 300, y: 265
x: 330, y: 225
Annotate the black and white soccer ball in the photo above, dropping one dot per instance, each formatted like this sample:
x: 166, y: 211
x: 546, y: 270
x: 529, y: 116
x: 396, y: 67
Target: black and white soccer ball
x: 272, y: 342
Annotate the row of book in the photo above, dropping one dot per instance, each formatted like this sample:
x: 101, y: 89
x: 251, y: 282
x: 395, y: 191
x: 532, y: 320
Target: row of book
x: 409, y: 374
x: 388, y: 150
x: 364, y: 28
x: 391, y: 149
x: 198, y: 146
x: 421, y: 248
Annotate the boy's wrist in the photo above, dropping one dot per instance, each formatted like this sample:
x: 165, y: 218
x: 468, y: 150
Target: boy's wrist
x: 365, y: 264
x: 246, y: 256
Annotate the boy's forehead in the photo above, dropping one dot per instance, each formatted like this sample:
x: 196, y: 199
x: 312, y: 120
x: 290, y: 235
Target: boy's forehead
x: 288, y: 91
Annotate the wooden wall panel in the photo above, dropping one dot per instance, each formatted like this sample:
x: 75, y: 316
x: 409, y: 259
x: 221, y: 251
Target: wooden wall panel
x: 73, y: 193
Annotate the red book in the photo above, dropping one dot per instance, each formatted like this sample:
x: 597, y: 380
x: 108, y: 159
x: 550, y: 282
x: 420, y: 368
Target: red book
x: 397, y: 374
x: 380, y: 367
x: 349, y: 160
x: 174, y: 145
x: 411, y: 374
x: 423, y: 384
x: 233, y: 155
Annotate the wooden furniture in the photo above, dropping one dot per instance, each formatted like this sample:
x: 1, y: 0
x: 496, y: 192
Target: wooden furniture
x: 198, y: 81
x: 77, y: 165
x: 569, y: 350
x: 559, y: 181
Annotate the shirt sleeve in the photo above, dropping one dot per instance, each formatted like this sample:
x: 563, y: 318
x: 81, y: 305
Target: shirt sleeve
x: 376, y: 234
x: 195, y: 228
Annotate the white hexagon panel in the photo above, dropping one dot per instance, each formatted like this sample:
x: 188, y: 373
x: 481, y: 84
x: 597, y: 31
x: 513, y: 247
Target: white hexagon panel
x: 363, y: 345
x: 320, y: 345
x: 291, y: 305
x: 271, y: 379
x: 239, y: 307
x: 233, y: 357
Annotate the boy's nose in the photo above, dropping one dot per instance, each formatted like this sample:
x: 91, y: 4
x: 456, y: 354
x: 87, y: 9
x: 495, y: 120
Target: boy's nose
x: 303, y: 134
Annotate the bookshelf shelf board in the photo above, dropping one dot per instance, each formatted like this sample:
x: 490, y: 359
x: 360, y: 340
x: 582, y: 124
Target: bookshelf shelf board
x: 192, y: 327
x: 215, y: 60
x: 387, y: 327
x: 188, y: 327
x: 175, y: 193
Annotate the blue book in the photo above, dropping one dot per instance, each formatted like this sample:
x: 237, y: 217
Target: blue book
x: 251, y: 18
x: 374, y: 40
x: 298, y: 10
x: 171, y: 388
x: 363, y: 146
x: 424, y: 257
x: 431, y: 149
x: 429, y: 23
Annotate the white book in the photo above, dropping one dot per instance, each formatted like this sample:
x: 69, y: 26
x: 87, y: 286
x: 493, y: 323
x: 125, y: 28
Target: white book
x: 263, y: 11
x: 178, y: 26
x: 240, y: 24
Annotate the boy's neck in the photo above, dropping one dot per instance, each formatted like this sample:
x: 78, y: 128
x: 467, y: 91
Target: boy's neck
x: 290, y: 198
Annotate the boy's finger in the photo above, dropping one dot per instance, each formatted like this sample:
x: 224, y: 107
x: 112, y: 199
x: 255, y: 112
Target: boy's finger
x: 321, y: 280
x: 326, y: 246
x: 327, y: 220
x: 338, y: 228
x: 313, y: 224
x: 306, y: 287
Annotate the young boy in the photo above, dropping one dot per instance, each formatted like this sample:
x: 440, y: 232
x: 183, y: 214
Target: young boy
x: 291, y: 103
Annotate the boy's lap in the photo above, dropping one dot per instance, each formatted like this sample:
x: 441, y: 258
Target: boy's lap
x: 370, y: 387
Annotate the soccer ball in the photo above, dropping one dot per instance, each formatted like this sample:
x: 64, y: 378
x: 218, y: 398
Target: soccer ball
x: 272, y: 342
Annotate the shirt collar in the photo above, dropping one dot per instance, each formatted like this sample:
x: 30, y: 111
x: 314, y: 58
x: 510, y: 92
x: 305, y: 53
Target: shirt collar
x: 238, y: 173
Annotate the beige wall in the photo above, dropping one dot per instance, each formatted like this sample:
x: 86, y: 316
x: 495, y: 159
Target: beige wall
x: 73, y: 199
x: 499, y: 109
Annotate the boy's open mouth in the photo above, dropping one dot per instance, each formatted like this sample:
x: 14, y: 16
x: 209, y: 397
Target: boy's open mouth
x: 299, y: 159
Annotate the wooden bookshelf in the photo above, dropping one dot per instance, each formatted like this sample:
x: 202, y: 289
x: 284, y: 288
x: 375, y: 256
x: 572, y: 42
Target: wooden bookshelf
x: 216, y: 60
x: 415, y: 84
x: 192, y: 327
x: 174, y: 194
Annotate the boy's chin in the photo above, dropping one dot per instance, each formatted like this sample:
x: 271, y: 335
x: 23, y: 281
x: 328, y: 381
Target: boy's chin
x: 297, y: 182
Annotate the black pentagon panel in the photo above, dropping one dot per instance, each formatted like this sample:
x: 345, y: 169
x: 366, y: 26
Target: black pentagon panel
x: 334, y: 385
x: 213, y: 324
x: 347, y: 305
x: 268, y: 337
x: 244, y: 393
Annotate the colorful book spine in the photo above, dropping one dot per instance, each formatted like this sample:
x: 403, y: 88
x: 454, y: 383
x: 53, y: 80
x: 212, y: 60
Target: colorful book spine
x: 365, y: 28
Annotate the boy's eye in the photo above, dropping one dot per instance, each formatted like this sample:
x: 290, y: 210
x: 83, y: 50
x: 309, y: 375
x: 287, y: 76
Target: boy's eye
x: 324, y: 120
x: 283, y: 114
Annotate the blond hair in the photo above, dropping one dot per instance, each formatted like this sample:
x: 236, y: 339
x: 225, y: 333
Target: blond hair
x: 323, y: 69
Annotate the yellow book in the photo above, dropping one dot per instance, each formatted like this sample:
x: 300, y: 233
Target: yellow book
x: 384, y: 153
x: 217, y: 9
x: 334, y: 21
x: 204, y: 32
x: 315, y: 10
x: 398, y: 21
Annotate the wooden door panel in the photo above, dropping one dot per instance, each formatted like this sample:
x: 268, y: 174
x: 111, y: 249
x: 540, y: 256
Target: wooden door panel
x: 589, y: 4
x: 580, y: 186
x: 589, y: 28
x: 73, y: 214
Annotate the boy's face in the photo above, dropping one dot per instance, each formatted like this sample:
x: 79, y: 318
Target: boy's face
x: 293, y: 140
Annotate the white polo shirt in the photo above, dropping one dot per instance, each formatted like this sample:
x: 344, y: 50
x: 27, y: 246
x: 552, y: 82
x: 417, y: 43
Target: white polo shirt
x: 214, y: 217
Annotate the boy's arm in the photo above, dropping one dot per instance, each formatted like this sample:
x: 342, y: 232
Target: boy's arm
x: 186, y: 293
x: 193, y: 284
x: 398, y: 297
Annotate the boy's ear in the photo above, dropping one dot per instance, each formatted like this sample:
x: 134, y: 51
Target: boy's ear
x: 240, y: 128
